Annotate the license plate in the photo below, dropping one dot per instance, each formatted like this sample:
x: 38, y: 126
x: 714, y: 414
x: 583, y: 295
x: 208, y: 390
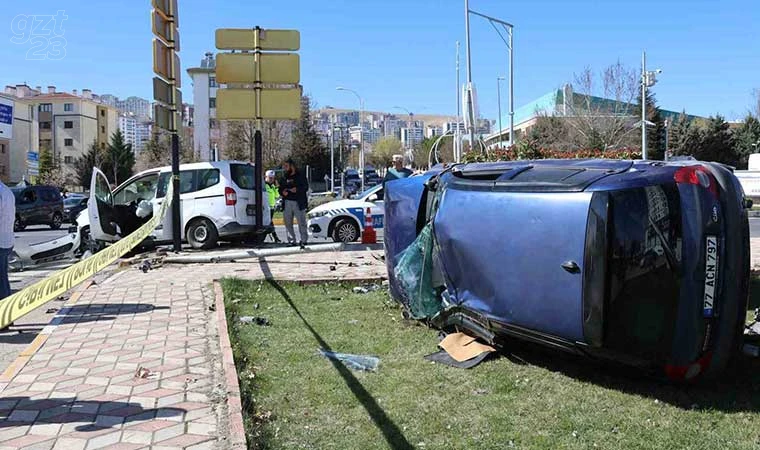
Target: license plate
x: 711, y: 275
x: 250, y: 210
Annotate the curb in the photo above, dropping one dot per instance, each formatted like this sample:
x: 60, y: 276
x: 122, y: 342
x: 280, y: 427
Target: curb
x: 237, y: 439
x: 15, y: 367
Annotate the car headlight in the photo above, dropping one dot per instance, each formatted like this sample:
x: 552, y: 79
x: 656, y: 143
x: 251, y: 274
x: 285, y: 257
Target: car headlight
x: 317, y: 214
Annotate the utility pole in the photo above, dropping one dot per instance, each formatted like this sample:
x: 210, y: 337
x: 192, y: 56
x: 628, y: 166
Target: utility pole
x: 457, y: 136
x: 470, y: 107
x: 498, y: 100
x: 511, y: 87
x: 332, y: 157
x: 644, y: 105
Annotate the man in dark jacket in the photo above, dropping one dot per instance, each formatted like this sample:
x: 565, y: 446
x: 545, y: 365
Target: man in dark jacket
x: 294, y: 193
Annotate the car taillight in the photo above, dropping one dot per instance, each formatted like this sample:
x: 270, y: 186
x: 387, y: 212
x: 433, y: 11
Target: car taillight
x: 230, y: 196
x: 697, y: 175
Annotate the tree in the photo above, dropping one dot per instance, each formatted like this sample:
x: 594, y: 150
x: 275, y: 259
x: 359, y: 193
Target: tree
x: 239, y: 140
x: 685, y: 137
x: 747, y: 140
x: 385, y: 148
x: 46, y: 161
x: 656, y: 133
x: 119, y: 160
x: 444, y: 152
x: 602, y: 123
x: 717, y: 142
x: 308, y: 148
x: 550, y: 132
x: 83, y: 165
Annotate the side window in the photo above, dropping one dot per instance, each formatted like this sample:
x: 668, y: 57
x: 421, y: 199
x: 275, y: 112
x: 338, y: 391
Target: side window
x: 207, y: 178
x: 102, y: 190
x: 29, y: 196
x: 50, y: 195
x: 242, y: 175
x: 143, y: 188
x: 186, y: 182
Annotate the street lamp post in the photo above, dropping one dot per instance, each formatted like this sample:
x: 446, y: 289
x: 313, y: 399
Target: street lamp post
x: 409, y: 125
x: 361, y: 130
x: 498, y: 99
x: 509, y: 42
x: 332, y: 156
x: 648, y: 79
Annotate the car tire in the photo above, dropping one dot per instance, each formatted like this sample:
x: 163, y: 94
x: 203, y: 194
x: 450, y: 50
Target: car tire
x: 202, y: 234
x: 345, y: 231
x: 57, y: 221
x: 18, y: 225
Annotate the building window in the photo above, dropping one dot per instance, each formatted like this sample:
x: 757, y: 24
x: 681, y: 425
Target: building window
x: 102, y: 113
x: 102, y: 145
x: 68, y: 107
x: 212, y: 102
x: 212, y: 82
x: 68, y: 159
x: 46, y: 107
x: 212, y: 123
x: 68, y: 124
x: 2, y: 149
x: 102, y: 129
x: 68, y: 142
x: 44, y: 125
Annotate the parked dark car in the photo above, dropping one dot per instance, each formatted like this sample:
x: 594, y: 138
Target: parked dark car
x: 72, y: 206
x: 38, y: 205
x: 644, y: 263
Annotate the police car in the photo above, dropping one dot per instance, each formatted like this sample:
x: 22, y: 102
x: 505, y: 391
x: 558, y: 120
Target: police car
x: 343, y: 220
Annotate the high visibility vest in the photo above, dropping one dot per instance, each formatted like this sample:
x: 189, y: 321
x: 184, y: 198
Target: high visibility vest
x: 272, y: 194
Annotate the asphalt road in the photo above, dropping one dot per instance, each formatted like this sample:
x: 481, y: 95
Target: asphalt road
x: 754, y: 227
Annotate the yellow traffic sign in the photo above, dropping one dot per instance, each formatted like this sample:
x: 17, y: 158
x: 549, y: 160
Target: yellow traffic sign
x: 257, y: 39
x: 162, y: 60
x: 168, y: 9
x: 165, y: 29
x: 281, y: 68
x: 241, y: 104
x: 164, y: 118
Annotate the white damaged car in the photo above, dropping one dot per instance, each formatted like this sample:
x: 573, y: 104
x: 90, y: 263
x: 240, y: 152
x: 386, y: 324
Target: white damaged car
x: 343, y: 220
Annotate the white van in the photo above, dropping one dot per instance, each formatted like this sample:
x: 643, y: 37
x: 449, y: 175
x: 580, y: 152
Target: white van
x: 217, y: 203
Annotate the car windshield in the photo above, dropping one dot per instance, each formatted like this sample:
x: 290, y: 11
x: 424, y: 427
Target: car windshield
x: 643, y: 277
x: 352, y: 175
x: 366, y: 194
x: 17, y: 192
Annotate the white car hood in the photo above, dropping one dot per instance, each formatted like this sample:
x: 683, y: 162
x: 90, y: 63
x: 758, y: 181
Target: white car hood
x: 341, y: 204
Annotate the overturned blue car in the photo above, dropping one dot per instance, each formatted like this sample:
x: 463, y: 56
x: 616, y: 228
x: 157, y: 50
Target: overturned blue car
x: 644, y: 263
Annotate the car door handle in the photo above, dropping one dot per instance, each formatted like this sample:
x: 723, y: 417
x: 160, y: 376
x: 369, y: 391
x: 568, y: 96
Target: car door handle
x: 571, y: 267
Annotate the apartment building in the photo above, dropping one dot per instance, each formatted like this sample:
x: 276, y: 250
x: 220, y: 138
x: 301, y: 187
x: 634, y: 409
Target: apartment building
x: 206, y: 129
x: 69, y: 123
x: 136, y: 132
x: 412, y: 136
x: 18, y: 137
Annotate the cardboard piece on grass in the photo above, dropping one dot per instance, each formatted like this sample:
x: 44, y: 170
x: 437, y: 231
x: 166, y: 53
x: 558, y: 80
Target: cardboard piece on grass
x: 462, y: 347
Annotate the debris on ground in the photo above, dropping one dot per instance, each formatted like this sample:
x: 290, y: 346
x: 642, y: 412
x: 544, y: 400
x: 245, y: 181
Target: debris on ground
x: 51, y: 310
x: 144, y: 372
x: 261, y: 321
x: 212, y: 307
x: 353, y: 322
x: 461, y: 351
x: 333, y: 268
x: 366, y: 289
x: 356, y: 362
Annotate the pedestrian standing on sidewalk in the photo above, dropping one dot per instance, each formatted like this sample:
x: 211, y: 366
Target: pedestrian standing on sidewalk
x: 272, y: 196
x: 293, y: 190
x: 7, y: 219
x: 398, y: 170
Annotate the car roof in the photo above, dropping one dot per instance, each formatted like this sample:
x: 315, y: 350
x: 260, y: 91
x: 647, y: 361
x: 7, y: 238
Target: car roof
x: 197, y: 165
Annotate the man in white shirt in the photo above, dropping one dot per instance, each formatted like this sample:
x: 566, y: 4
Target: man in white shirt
x: 7, y: 219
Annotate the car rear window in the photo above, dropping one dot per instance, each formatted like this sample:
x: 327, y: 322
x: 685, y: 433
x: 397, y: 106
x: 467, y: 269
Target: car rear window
x: 242, y: 175
x: 644, y: 282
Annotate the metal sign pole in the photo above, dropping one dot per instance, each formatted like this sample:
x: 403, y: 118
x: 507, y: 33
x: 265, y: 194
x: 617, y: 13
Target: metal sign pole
x: 259, y: 177
x: 176, y: 211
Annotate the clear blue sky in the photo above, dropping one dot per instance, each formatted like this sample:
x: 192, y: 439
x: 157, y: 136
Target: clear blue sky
x: 401, y: 52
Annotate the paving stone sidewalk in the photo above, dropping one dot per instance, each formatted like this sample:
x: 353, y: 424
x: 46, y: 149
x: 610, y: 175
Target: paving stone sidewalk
x: 135, y: 362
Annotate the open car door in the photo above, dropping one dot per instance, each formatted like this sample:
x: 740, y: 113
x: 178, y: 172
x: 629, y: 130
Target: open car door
x: 100, y: 209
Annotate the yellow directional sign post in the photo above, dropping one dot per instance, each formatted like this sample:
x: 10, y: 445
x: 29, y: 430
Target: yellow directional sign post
x: 166, y: 92
x: 274, y: 77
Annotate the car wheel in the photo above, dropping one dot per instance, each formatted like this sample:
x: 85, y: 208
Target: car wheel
x: 18, y: 225
x: 57, y: 221
x: 202, y: 234
x: 345, y: 231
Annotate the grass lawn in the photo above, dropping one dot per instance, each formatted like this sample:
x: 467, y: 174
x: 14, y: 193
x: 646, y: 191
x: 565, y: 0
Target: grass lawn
x: 531, y: 399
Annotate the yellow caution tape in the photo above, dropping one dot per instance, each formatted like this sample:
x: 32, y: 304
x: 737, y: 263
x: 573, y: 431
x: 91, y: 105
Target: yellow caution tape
x: 25, y: 301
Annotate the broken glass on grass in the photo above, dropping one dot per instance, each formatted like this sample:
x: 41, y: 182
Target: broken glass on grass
x: 356, y: 362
